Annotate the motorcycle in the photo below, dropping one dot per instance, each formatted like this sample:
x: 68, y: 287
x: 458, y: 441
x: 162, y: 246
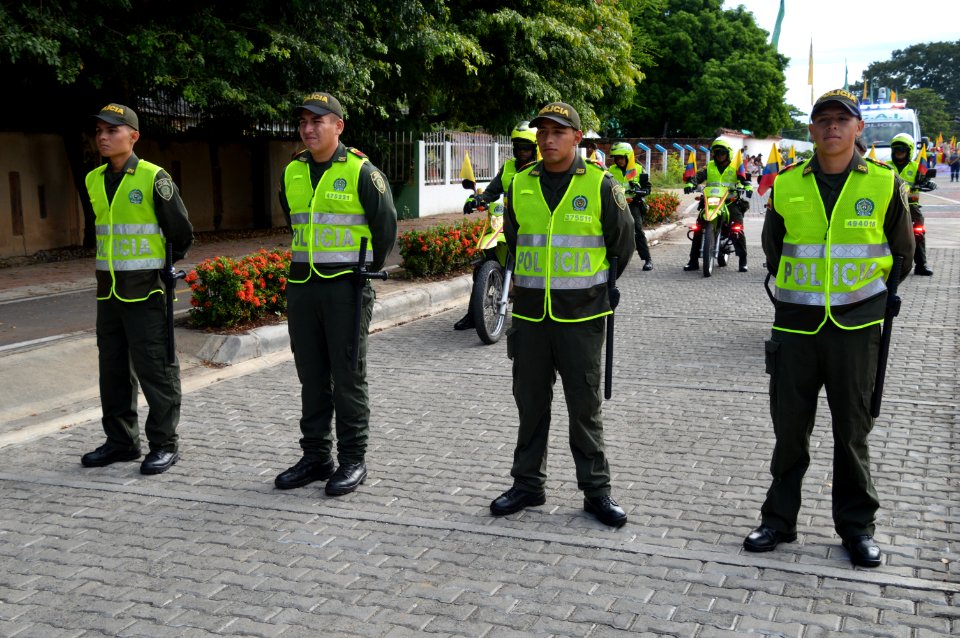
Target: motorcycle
x: 719, y: 233
x: 490, y: 276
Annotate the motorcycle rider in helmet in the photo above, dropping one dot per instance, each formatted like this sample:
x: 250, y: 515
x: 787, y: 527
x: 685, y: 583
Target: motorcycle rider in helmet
x: 719, y: 169
x: 524, y: 138
x: 914, y: 173
x: 636, y: 186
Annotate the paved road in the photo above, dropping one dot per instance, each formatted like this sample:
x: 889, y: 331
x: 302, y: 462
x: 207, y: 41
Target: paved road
x: 210, y: 548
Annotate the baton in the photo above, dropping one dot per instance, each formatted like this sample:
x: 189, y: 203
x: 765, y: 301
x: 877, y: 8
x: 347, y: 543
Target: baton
x: 608, y: 364
x: 893, y: 309
x: 361, y: 274
x: 507, y: 276
x: 170, y: 284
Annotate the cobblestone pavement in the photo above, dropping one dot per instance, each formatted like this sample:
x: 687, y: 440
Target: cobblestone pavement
x: 211, y: 548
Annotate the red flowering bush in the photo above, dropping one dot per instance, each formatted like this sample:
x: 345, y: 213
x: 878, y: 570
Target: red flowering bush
x: 661, y: 207
x: 441, y: 249
x: 228, y: 292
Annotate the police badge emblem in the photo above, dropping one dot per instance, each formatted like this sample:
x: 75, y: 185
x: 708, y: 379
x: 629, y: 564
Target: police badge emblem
x: 619, y: 197
x: 339, y: 184
x: 864, y: 207
x: 378, y: 182
x: 164, y: 188
x: 136, y: 196
x: 579, y: 203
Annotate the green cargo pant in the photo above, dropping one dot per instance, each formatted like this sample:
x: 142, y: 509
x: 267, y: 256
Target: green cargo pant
x: 321, y: 325
x: 845, y: 362
x: 132, y: 345
x: 539, y: 350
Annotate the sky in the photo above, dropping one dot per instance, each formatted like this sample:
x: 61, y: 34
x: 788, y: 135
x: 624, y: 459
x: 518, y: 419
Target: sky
x: 852, y: 33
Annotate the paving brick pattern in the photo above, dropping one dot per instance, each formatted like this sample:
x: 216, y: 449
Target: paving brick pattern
x: 211, y: 548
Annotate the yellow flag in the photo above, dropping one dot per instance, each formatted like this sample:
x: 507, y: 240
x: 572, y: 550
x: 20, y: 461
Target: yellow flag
x: 864, y: 90
x: 593, y: 156
x: 466, y: 171
x: 792, y: 155
x: 873, y: 152
x: 893, y: 95
x: 922, y: 156
x: 940, y: 139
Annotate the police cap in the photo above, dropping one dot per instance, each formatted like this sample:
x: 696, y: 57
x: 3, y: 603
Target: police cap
x: 320, y: 104
x: 117, y: 115
x: 844, y: 98
x: 558, y: 112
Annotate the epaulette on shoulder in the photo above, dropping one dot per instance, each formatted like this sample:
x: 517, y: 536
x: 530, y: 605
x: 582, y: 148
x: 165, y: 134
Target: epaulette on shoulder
x: 302, y: 156
x: 878, y: 163
x: 792, y: 166
x: 357, y: 152
x: 596, y: 163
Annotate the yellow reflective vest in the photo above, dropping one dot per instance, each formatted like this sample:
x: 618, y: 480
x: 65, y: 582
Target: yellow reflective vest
x: 909, y: 175
x: 843, y: 260
x: 327, y: 222
x: 559, y: 252
x: 128, y: 234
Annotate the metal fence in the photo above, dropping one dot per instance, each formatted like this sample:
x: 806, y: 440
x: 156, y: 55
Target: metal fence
x: 481, y: 147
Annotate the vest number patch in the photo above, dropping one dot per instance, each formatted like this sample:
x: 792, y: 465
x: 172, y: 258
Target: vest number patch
x: 860, y: 223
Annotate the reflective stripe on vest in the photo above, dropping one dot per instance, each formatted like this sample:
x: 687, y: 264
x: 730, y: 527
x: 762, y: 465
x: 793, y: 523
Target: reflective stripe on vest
x: 835, y: 263
x: 563, y: 249
x: 327, y: 222
x: 128, y: 235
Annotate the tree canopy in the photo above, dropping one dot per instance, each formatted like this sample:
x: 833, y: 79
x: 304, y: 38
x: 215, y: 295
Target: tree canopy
x: 425, y: 62
x: 712, y: 68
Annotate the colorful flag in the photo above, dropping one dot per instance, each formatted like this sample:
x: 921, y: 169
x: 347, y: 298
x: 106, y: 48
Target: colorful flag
x: 774, y: 164
x: 810, y: 71
x: 940, y: 139
x: 864, y: 98
x: 630, y: 173
x: 738, y: 164
x: 792, y: 155
x: 691, y: 169
x: 893, y: 95
x: 872, y: 154
x: 466, y: 170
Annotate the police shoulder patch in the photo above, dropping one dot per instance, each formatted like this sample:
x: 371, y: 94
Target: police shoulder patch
x: 792, y: 166
x: 878, y: 163
x: 905, y: 194
x: 356, y: 152
x: 378, y: 181
x: 164, y: 188
x: 619, y: 196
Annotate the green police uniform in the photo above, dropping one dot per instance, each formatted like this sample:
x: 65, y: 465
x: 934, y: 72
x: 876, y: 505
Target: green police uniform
x: 562, y: 227
x: 637, y: 210
x: 330, y: 206
x: 138, y: 210
x: 830, y: 241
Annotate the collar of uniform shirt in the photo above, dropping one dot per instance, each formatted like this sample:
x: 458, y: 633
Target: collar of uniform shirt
x: 857, y: 163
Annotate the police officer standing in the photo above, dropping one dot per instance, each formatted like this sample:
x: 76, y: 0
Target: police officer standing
x: 332, y: 196
x: 565, y: 217
x: 638, y: 186
x: 847, y: 214
x: 914, y: 173
x: 138, y: 212
x: 720, y: 173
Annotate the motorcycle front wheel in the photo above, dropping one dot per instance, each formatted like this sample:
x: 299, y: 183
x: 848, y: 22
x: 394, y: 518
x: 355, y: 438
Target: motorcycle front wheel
x: 487, y: 291
x: 709, y: 249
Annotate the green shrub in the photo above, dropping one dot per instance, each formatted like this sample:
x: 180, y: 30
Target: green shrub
x: 441, y: 249
x: 673, y: 178
x: 661, y: 207
x: 228, y: 292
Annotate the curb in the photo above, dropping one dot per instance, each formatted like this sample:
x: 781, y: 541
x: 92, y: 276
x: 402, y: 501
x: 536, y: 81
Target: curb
x: 392, y: 310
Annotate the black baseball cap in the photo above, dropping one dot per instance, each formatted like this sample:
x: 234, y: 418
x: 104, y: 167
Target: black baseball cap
x: 559, y: 112
x: 845, y: 99
x: 117, y: 114
x: 320, y: 103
